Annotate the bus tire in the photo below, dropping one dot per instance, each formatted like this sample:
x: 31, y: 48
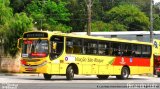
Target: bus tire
x: 70, y: 73
x: 124, y: 73
x: 47, y: 76
x: 101, y: 77
x: 158, y: 75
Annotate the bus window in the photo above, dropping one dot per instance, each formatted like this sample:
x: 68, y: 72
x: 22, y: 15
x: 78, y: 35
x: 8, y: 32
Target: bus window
x: 74, y: 45
x: 103, y: 48
x: 56, y: 49
x: 126, y: 49
x: 117, y: 49
x: 69, y: 47
x: 90, y: 46
x: 146, y: 51
x: 137, y: 50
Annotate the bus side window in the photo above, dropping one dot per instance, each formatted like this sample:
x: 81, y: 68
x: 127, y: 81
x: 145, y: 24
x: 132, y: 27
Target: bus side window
x: 76, y: 49
x: 69, y: 48
x: 109, y: 51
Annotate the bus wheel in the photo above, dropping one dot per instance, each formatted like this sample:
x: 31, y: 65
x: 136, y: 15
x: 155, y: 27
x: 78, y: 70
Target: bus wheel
x: 47, y: 76
x: 70, y: 73
x: 124, y: 73
x: 102, y: 76
x: 158, y: 75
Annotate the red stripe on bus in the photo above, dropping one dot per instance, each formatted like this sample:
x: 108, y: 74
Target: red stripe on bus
x: 131, y: 61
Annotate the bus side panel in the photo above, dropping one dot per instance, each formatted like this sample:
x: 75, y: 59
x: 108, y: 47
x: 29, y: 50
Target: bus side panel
x: 105, y: 66
x: 134, y: 70
x: 54, y: 67
x: 144, y: 70
x: 117, y: 70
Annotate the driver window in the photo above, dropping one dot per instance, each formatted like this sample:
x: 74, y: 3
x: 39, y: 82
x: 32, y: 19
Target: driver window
x: 56, y: 46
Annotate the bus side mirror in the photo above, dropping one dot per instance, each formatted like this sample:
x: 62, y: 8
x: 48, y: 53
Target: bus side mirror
x: 19, y: 43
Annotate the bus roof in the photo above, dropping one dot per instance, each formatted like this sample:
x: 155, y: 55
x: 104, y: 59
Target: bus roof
x: 119, y: 33
x: 50, y: 33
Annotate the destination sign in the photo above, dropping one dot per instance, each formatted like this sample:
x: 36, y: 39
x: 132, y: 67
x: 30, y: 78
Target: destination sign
x: 35, y: 35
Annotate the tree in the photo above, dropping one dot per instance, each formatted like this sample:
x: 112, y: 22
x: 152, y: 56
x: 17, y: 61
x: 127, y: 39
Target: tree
x: 156, y: 22
x: 48, y: 14
x: 130, y: 16
x: 156, y: 16
x: 78, y: 18
x: 99, y: 26
x: 19, y: 24
x: 19, y: 5
x: 5, y: 15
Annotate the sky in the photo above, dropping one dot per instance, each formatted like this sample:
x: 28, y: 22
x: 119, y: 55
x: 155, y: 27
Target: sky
x: 155, y: 1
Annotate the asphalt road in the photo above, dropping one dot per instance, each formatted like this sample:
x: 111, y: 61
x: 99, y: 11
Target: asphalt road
x: 24, y: 81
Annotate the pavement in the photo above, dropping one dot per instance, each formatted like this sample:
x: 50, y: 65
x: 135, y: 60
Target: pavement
x: 18, y: 74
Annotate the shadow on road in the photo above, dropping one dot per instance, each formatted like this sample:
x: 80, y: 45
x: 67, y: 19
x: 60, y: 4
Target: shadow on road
x: 88, y: 79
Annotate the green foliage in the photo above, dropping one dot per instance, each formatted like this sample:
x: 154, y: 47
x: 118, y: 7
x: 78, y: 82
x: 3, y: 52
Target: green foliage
x: 12, y: 26
x: 130, y: 16
x: 100, y: 26
x: 79, y: 14
x: 19, y: 5
x: 5, y: 16
x: 116, y: 26
x: 5, y: 12
x: 156, y: 22
x: 47, y: 15
x: 19, y: 24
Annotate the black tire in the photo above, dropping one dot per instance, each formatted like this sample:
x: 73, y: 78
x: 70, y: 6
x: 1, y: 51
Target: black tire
x: 70, y: 73
x: 124, y: 73
x: 101, y: 77
x: 47, y: 76
x: 158, y: 75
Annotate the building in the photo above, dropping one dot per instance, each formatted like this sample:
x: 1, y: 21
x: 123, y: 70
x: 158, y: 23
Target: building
x: 130, y: 35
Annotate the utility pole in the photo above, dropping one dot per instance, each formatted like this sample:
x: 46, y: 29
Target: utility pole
x: 151, y: 21
x: 89, y: 4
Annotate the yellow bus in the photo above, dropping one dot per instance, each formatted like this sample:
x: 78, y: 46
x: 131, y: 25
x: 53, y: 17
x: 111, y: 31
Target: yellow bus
x: 56, y: 53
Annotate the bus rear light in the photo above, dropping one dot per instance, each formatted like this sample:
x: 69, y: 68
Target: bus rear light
x: 39, y: 54
x: 23, y: 62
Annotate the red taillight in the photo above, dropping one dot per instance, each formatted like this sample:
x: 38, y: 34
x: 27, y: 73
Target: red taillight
x: 38, y: 54
x: 23, y: 62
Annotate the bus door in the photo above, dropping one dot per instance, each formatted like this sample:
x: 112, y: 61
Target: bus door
x: 56, y: 49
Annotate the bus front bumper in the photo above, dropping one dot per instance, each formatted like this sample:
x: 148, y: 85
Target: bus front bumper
x: 34, y: 68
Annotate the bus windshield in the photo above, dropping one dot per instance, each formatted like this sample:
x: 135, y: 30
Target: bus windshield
x: 35, y: 48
